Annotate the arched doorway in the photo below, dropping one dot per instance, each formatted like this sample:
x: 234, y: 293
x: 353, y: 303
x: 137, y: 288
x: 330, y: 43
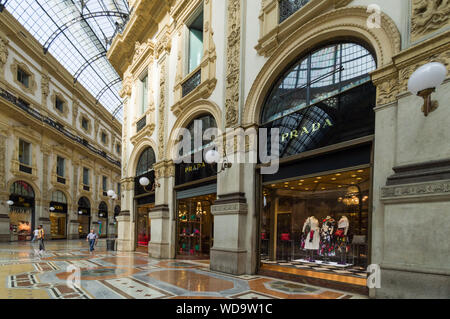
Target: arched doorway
x: 102, y: 220
x: 144, y: 196
x: 84, y: 216
x: 22, y: 211
x: 322, y: 103
x: 196, y: 191
x: 58, y: 215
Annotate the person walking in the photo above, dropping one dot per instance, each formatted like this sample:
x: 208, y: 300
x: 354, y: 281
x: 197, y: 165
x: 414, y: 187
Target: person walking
x: 40, y: 237
x: 92, y: 238
x: 35, y: 235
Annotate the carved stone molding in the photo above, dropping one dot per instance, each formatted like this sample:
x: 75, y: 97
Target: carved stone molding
x: 164, y: 169
x: 438, y: 190
x: 32, y: 86
x: 162, y: 108
x: 428, y: 16
x: 2, y: 162
x: 61, y: 97
x: 75, y: 108
x: 3, y: 53
x: 233, y: 62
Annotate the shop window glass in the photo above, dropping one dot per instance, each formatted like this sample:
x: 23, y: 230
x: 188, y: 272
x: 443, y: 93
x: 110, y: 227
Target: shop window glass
x: 144, y: 225
x: 321, y: 219
x: 195, y: 225
x: 195, y: 43
x: 24, y: 152
x: 198, y: 127
x: 318, y: 76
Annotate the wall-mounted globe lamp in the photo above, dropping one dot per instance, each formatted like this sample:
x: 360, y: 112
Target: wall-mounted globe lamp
x: 213, y: 157
x: 10, y: 203
x: 144, y: 182
x: 424, y: 81
x: 52, y: 209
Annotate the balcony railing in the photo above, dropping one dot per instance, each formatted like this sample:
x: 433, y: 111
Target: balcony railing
x: 141, y: 124
x: 25, y: 106
x: 190, y: 84
x: 289, y: 7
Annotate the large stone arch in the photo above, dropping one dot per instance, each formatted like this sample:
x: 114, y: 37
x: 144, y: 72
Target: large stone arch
x: 349, y: 22
x: 195, y: 109
x: 137, y: 150
x: 37, y: 191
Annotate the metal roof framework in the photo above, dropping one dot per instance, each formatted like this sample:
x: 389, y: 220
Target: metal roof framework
x: 78, y: 34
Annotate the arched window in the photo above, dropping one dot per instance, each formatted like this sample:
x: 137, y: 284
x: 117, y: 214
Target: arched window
x: 59, y: 197
x: 207, y: 121
x: 84, y: 202
x: 22, y: 188
x: 145, y: 162
x: 316, y: 77
x: 324, y: 98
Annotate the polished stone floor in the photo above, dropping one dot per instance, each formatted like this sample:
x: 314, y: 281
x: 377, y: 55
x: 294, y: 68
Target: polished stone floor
x: 68, y: 271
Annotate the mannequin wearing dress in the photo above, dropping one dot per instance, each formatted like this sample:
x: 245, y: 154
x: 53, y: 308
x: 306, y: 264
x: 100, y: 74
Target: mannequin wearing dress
x: 311, y: 231
x: 327, y: 247
x: 343, y: 225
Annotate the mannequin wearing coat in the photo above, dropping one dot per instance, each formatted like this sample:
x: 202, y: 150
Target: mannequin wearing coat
x: 343, y: 226
x: 311, y: 232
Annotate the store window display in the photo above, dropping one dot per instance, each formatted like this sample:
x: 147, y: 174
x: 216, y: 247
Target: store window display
x: 21, y: 212
x: 58, y: 215
x: 144, y: 225
x: 320, y: 216
x: 84, y: 217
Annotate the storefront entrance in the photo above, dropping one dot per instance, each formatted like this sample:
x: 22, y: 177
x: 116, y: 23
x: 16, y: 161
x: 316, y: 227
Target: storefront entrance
x: 84, y: 217
x: 58, y: 215
x: 21, y: 212
x: 102, y: 220
x: 144, y: 224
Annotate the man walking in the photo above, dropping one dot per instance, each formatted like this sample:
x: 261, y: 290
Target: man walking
x: 92, y: 238
x: 40, y: 237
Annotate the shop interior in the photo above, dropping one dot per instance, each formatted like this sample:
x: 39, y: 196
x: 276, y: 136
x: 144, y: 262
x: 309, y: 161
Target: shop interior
x: 195, y: 226
x: 144, y: 225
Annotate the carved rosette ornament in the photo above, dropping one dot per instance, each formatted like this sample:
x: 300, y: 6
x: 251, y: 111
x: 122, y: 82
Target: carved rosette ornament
x: 429, y: 16
x: 233, y: 62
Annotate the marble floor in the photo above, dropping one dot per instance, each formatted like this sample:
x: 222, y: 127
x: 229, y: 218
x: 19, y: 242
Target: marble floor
x: 68, y: 271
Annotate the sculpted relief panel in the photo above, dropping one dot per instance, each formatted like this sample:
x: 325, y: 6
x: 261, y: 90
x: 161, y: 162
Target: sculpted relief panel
x: 429, y: 16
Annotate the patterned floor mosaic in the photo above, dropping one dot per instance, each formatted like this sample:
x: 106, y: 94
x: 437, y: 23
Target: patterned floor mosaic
x: 325, y: 268
x: 68, y: 271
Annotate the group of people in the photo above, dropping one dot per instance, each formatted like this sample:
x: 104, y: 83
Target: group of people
x: 39, y: 236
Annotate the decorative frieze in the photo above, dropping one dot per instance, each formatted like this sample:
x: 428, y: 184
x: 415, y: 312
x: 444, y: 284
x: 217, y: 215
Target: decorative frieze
x: 162, y: 108
x: 419, y: 191
x: 164, y: 169
x: 233, y: 62
x: 428, y: 16
x: 45, y: 88
x: 3, y: 53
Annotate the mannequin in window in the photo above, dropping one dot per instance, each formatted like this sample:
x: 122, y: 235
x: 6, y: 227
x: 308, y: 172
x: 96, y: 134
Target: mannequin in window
x: 342, y: 239
x: 327, y: 245
x: 311, y: 235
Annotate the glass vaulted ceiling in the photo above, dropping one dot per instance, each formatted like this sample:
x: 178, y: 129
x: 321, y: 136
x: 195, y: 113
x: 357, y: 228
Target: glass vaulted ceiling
x: 78, y: 33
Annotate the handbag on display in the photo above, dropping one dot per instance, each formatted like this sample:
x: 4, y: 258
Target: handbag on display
x: 339, y: 233
x: 285, y: 236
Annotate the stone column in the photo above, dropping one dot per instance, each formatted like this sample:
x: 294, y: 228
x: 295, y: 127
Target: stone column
x: 42, y: 213
x: 162, y: 221
x: 126, y: 240
x: 72, y: 214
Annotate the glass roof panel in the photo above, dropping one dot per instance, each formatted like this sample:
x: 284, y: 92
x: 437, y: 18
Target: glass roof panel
x: 75, y: 32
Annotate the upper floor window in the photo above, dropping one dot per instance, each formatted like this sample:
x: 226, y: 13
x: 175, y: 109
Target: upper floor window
x: 85, y: 176
x: 60, y: 166
x: 195, y: 54
x: 289, y: 7
x: 104, y: 183
x: 23, y: 77
x: 118, y: 149
x: 59, y: 104
x: 318, y: 76
x: 144, y: 100
x: 103, y: 136
x: 118, y: 189
x: 85, y: 123
x: 24, y: 152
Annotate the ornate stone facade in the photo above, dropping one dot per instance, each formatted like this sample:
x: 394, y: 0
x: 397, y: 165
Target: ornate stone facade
x: 429, y: 16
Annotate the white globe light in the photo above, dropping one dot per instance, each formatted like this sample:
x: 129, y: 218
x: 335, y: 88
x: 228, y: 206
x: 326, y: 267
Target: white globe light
x: 114, y: 197
x: 52, y: 209
x: 111, y: 193
x: 144, y: 181
x: 80, y: 212
x: 212, y: 157
x: 10, y: 202
x: 428, y: 76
